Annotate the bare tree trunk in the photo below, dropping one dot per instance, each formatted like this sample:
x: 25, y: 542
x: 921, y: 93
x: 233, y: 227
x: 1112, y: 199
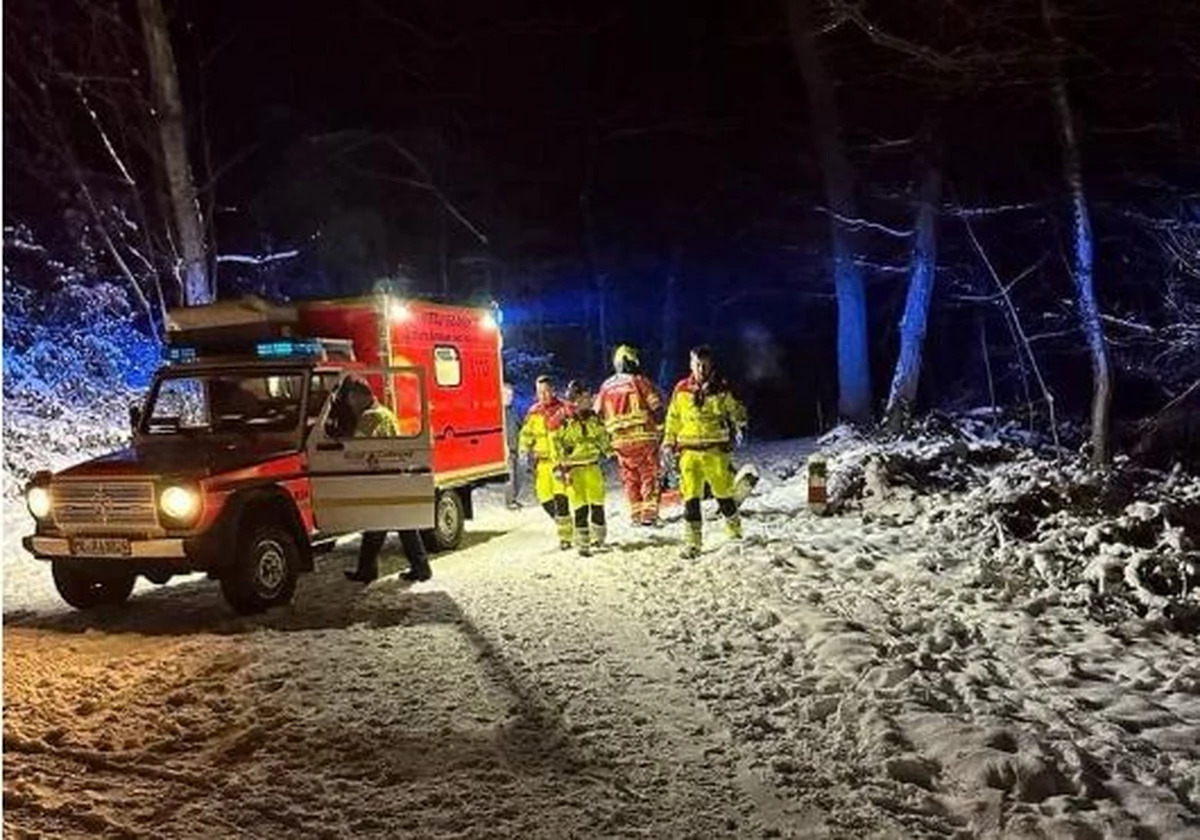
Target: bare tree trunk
x: 669, y: 340
x: 987, y: 366
x: 854, y: 368
x: 208, y: 190
x: 169, y: 106
x: 922, y: 273
x: 599, y: 278
x: 602, y: 317
x: 1082, y: 257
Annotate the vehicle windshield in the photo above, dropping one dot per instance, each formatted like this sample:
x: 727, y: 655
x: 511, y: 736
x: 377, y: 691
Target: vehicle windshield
x: 226, y: 402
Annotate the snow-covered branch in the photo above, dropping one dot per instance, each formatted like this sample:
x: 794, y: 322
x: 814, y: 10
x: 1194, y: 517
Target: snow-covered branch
x: 1131, y: 325
x: 857, y: 224
x: 993, y: 210
x: 250, y: 259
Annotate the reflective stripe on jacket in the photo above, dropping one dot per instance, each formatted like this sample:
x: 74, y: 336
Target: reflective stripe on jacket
x: 582, y: 440
x: 627, y: 403
x: 541, y: 424
x: 701, y: 416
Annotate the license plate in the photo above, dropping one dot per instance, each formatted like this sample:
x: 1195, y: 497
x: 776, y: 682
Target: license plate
x: 100, y: 547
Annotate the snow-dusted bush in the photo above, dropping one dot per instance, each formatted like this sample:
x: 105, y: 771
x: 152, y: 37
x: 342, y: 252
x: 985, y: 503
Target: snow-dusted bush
x: 1123, y: 541
x: 74, y: 359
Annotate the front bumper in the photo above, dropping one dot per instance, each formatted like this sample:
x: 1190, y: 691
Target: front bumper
x: 56, y: 547
x: 201, y: 553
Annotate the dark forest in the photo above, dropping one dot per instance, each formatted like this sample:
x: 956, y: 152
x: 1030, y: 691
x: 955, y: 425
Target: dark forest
x: 665, y: 174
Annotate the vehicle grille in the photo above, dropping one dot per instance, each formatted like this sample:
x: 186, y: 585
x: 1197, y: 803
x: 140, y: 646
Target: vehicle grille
x: 104, y: 505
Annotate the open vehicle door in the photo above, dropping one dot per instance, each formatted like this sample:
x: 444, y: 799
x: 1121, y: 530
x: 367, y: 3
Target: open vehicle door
x: 375, y: 483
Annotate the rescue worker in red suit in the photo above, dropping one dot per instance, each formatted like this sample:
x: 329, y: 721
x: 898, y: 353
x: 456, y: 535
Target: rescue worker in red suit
x: 704, y: 421
x: 537, y: 444
x: 631, y: 408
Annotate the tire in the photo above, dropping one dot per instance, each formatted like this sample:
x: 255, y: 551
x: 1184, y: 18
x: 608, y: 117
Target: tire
x: 84, y: 589
x: 265, y: 573
x: 449, y: 516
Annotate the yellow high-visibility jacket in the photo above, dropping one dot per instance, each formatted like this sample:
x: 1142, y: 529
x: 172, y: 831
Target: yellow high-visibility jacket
x: 377, y: 421
x: 582, y: 439
x: 703, y: 415
x: 541, y: 425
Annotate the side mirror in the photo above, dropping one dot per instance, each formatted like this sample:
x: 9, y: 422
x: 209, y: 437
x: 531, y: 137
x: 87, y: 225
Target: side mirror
x: 135, y: 417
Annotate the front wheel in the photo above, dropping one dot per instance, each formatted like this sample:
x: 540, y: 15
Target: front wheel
x: 449, y: 516
x: 265, y: 573
x: 86, y: 589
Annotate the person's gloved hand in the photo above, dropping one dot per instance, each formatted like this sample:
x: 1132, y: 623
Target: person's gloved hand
x: 669, y: 454
x: 531, y: 460
x: 739, y: 437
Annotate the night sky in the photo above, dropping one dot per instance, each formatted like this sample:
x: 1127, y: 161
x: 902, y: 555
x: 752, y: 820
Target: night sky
x: 670, y: 110
x: 684, y: 122
x: 686, y: 128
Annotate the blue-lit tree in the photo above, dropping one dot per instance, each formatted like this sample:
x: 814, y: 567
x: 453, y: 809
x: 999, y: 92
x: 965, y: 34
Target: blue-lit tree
x: 1000, y: 53
x: 1081, y: 262
x: 854, y: 364
x: 98, y: 122
x: 181, y: 188
x: 922, y: 273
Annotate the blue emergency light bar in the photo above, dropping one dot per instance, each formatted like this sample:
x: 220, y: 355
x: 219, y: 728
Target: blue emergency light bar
x: 180, y: 355
x: 289, y: 348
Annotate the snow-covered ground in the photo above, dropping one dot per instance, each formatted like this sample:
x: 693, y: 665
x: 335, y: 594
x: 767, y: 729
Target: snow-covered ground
x: 847, y: 676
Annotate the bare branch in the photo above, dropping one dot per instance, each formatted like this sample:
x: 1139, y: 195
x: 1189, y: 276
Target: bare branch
x: 1004, y: 290
x: 856, y: 224
x: 994, y: 210
x: 250, y: 259
x: 1132, y: 325
x: 1015, y: 323
x: 104, y: 137
x: 229, y: 164
x: 851, y: 13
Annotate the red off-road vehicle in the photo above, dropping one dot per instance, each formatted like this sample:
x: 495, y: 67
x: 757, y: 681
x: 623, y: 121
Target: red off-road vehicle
x: 236, y: 470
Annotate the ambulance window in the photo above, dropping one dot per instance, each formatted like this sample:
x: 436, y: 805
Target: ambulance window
x: 447, y: 366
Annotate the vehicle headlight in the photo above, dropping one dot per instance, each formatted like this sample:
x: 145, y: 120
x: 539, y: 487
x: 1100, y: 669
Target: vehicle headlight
x: 37, y: 499
x: 179, y: 503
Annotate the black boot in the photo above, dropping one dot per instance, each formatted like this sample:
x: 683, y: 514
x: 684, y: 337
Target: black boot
x: 368, y: 557
x: 418, y: 571
x: 418, y: 558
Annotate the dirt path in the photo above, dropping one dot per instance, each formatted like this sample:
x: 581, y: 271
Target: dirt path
x: 517, y: 694
x: 842, y: 677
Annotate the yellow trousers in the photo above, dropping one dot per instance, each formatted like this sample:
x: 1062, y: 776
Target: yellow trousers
x: 546, y: 482
x: 585, y: 486
x: 697, y: 466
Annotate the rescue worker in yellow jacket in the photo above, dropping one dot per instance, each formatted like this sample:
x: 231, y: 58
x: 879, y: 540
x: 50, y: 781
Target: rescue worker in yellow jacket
x: 536, y: 444
x: 582, y: 442
x: 704, y: 419
x: 371, y: 418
